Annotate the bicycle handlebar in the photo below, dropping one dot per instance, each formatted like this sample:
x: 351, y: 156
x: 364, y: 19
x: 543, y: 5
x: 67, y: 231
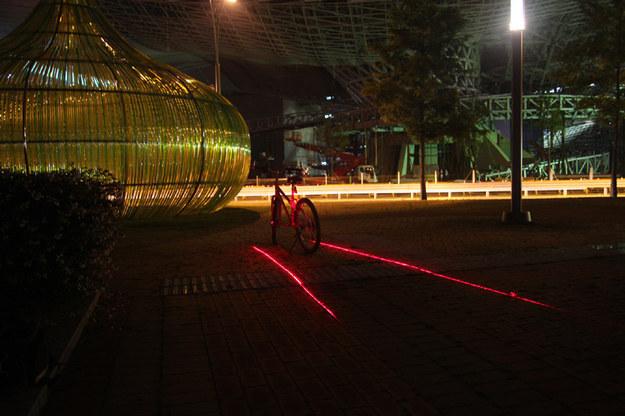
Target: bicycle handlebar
x: 278, y: 172
x: 292, y: 179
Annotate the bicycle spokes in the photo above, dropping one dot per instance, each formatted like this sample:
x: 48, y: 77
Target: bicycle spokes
x: 297, y: 213
x: 307, y: 224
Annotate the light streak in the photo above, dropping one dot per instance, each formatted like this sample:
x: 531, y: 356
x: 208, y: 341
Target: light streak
x: 297, y: 279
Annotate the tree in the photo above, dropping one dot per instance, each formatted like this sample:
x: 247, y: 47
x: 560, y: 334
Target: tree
x: 419, y: 88
x: 333, y: 139
x: 469, y: 126
x: 331, y: 134
x: 593, y: 66
x: 551, y: 117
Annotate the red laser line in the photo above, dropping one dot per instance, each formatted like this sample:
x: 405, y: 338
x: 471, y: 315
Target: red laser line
x: 421, y: 269
x: 299, y: 282
x: 499, y: 292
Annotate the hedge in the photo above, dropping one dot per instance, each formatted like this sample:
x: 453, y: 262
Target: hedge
x: 57, y: 231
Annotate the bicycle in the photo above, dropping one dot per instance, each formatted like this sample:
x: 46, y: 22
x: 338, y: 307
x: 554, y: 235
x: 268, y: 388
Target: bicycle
x: 302, y: 215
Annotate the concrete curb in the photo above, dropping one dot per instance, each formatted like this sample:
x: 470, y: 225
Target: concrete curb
x: 44, y: 393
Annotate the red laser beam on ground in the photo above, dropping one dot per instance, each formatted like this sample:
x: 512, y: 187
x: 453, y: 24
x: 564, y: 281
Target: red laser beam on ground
x: 297, y: 279
x: 499, y: 292
x: 430, y: 272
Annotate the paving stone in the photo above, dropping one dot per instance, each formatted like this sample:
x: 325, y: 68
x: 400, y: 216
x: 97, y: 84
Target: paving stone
x: 348, y: 364
x: 171, y: 399
x: 129, y: 400
x: 229, y: 389
x: 300, y: 370
x: 365, y: 382
x: 512, y: 399
x: 361, y: 411
x: 326, y: 407
x: 234, y: 408
x: 263, y: 349
x: 253, y: 342
x: 313, y: 388
x: 132, y: 409
x: 260, y: 397
x: 281, y: 382
x: 330, y: 375
x: 347, y: 395
x: 419, y: 406
x: 251, y: 377
x: 293, y: 403
x: 541, y: 407
x: 477, y: 407
x: 271, y: 364
x: 384, y: 404
x: 467, y: 399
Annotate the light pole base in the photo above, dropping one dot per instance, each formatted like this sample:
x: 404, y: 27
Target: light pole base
x: 522, y: 217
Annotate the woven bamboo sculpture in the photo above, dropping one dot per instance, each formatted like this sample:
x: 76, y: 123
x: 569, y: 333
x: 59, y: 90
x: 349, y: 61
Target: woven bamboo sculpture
x: 75, y: 93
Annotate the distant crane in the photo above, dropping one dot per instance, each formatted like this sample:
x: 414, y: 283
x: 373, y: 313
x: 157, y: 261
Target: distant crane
x: 346, y: 161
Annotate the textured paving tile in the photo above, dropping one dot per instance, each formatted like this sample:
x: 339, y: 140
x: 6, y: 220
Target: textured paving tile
x: 197, y: 322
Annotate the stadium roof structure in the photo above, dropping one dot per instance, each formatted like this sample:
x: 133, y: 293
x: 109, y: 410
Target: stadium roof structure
x: 260, y: 38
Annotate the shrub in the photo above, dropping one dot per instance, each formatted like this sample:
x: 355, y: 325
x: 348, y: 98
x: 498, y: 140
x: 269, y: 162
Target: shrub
x: 57, y: 231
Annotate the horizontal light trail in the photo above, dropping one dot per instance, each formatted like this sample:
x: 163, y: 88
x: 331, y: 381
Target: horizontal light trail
x: 297, y: 279
x: 423, y: 270
x: 531, y: 189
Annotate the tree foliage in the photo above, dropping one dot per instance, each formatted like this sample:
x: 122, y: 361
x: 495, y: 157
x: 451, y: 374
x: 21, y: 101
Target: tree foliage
x: 551, y: 118
x: 418, y: 88
x: 593, y: 66
x: 331, y: 134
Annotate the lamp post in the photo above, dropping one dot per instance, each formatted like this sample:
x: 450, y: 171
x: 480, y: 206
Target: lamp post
x: 216, y: 19
x: 517, y: 26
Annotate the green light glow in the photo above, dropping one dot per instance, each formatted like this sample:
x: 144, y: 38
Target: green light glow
x: 74, y: 92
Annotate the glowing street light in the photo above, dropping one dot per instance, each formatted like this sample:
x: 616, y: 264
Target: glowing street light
x: 517, y: 15
x: 216, y: 19
x: 517, y: 26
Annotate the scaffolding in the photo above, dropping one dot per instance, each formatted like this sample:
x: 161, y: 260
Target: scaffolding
x: 331, y: 34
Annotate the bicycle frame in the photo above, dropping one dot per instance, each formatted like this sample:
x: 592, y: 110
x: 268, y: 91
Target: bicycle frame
x: 302, y: 216
x: 281, y: 196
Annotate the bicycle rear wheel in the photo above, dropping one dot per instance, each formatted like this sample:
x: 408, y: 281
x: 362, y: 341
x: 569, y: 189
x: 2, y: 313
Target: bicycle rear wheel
x: 307, y: 223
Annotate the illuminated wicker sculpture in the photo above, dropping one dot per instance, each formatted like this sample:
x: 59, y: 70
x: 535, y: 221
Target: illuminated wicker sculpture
x: 74, y: 92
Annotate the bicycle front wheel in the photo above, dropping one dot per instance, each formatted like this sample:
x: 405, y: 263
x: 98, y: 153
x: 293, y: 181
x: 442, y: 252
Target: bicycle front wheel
x: 307, y: 223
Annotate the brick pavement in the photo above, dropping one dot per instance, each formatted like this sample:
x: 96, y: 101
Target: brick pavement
x: 403, y: 343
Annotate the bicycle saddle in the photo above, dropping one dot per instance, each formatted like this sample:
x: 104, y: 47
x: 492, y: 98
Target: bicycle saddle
x: 294, y: 179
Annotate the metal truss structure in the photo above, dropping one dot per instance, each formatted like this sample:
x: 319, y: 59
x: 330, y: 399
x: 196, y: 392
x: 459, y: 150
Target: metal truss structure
x: 498, y: 105
x: 333, y: 37
x: 333, y: 34
x: 598, y: 164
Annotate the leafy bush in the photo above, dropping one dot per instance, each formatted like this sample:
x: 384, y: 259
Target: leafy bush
x: 57, y: 231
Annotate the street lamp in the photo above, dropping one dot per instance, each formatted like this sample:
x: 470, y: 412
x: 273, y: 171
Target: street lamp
x: 216, y: 19
x: 517, y: 26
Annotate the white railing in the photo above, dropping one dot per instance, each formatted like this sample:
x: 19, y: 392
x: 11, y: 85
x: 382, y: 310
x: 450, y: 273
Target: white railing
x: 448, y: 189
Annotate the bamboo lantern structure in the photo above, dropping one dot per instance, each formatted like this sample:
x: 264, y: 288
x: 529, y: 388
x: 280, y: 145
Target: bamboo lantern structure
x: 75, y: 93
